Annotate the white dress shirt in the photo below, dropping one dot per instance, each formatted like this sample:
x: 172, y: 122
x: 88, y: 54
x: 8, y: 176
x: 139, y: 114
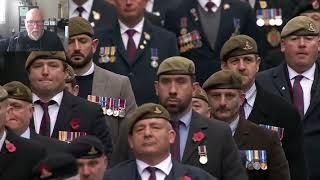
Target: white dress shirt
x: 136, y: 37
x: 90, y: 71
x: 53, y: 111
x: 204, y: 2
x: 149, y: 6
x: 3, y: 137
x: 233, y: 125
x: 87, y: 9
x: 163, y: 169
x: 250, y: 96
x: 26, y: 134
x: 306, y: 84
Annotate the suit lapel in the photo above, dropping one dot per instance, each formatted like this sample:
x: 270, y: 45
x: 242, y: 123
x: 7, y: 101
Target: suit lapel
x: 315, y: 92
x: 145, y: 41
x: 258, y: 107
x: 100, y: 83
x: 281, y: 79
x: 116, y: 39
x: 241, y: 133
x: 177, y: 171
x: 196, y: 124
x: 64, y: 114
x: 5, y: 156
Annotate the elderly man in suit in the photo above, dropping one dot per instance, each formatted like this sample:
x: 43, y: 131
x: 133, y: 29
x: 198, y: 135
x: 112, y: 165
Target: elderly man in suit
x: 268, y: 160
x: 17, y: 155
x: 150, y: 137
x: 240, y: 54
x: 94, y: 80
x: 134, y: 47
x: 200, y: 142
x: 57, y: 113
x: 19, y: 114
x: 297, y: 80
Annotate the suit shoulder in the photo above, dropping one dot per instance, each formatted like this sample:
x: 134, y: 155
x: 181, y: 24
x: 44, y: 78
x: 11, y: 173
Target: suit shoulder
x: 112, y: 75
x: 162, y: 32
x: 26, y: 145
x: 260, y: 132
x: 124, y: 166
x: 197, y: 173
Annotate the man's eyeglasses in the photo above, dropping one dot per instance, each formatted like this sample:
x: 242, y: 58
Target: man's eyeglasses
x: 34, y: 22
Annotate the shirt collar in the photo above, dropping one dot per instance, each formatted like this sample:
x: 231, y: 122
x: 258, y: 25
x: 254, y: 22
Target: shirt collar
x: 204, y: 2
x: 186, y: 119
x: 233, y: 125
x: 57, y: 98
x: 90, y: 71
x: 87, y: 6
x: 251, y: 95
x: 138, y: 27
x: 4, y: 136
x: 26, y: 134
x: 165, y: 165
x: 309, y: 74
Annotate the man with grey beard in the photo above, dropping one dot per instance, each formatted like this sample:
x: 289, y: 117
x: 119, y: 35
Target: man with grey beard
x: 35, y: 37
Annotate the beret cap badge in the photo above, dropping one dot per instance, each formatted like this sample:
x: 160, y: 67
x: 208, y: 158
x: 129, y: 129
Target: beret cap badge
x: 247, y: 46
x: 157, y: 110
x: 93, y: 151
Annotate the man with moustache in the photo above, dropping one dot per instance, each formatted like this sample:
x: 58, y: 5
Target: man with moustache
x: 201, y: 142
x: 35, y: 37
x: 92, y: 79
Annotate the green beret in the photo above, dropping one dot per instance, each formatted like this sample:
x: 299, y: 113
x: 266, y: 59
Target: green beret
x: 86, y: 147
x: 176, y: 65
x: 70, y: 74
x: 18, y: 90
x: 238, y: 45
x: 3, y: 94
x: 300, y: 26
x: 56, y: 166
x: 34, y: 55
x: 224, y: 79
x: 79, y: 25
x: 146, y: 111
x: 200, y: 94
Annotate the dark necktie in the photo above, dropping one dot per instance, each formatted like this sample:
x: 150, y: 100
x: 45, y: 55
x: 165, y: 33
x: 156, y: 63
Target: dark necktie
x: 80, y: 9
x: 175, y: 147
x: 209, y: 6
x: 45, y: 122
x: 131, y: 46
x: 152, y: 171
x: 297, y: 93
x: 242, y: 113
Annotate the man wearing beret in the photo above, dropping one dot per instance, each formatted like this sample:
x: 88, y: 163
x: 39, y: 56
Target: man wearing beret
x: 297, y: 80
x: 94, y: 80
x: 59, y: 166
x: 240, y: 55
x: 134, y: 47
x: 150, y: 137
x: 17, y: 155
x: 311, y: 9
x: 264, y: 155
x: 200, y: 102
x: 57, y: 113
x: 201, y: 142
x: 19, y: 114
x: 91, y: 159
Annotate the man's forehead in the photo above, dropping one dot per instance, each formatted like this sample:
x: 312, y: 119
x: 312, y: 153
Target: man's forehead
x: 46, y: 60
x: 150, y: 121
x: 12, y: 100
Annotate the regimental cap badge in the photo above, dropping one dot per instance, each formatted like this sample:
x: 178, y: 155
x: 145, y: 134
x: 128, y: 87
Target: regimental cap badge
x: 96, y: 15
x: 311, y: 27
x: 157, y: 110
x: 92, y: 151
x: 247, y: 46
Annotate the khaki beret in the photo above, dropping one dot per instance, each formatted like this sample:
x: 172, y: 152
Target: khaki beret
x: 70, y: 74
x: 200, y: 94
x: 238, y: 45
x: 79, y: 25
x: 146, y: 111
x: 176, y: 65
x: 18, y: 90
x: 300, y: 26
x: 224, y: 79
x: 59, y: 55
x: 3, y: 94
x: 86, y: 147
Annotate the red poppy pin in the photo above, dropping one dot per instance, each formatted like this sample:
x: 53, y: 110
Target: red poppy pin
x: 75, y: 124
x: 44, y: 171
x: 198, y: 136
x: 10, y: 147
x: 186, y: 178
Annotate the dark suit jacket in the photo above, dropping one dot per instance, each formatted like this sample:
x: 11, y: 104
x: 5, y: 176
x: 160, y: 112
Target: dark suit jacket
x: 223, y: 155
x: 276, y: 80
x: 178, y: 171
x: 207, y: 59
x: 141, y: 74
x: 90, y: 117
x: 248, y: 136
x: 269, y: 109
x: 18, y: 165
x: 50, y: 144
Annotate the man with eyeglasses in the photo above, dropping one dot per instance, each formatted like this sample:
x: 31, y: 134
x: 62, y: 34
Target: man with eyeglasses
x: 35, y: 37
